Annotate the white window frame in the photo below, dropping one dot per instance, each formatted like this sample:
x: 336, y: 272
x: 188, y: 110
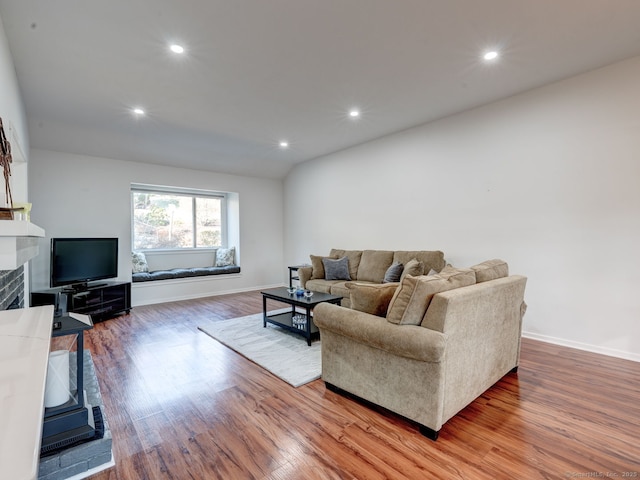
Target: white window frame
x: 192, y: 192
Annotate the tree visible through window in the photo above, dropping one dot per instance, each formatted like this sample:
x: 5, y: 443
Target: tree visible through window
x: 175, y: 220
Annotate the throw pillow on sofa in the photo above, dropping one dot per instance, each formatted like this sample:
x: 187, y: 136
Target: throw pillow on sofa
x: 413, y: 267
x: 354, y: 257
x: 371, y: 298
x: 393, y: 273
x: 336, y: 269
x: 491, y: 270
x: 317, y: 267
x: 412, y: 298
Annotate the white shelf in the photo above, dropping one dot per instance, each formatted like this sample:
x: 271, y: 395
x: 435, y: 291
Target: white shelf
x: 19, y: 228
x: 18, y: 243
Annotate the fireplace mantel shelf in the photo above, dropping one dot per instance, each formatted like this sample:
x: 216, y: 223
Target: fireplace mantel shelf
x: 19, y: 228
x: 18, y: 243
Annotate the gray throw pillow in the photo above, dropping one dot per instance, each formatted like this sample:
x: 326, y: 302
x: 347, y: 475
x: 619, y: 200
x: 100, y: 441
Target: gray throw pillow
x: 336, y: 269
x: 393, y: 273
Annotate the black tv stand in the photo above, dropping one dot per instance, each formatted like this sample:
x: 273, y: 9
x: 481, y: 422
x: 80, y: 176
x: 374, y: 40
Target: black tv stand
x: 82, y: 287
x: 100, y: 300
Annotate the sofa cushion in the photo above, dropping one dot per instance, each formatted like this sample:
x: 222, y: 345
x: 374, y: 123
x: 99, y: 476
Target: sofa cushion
x: 340, y: 289
x: 354, y: 257
x: 183, y: 273
x: 411, y: 300
x: 321, y: 285
x: 372, y: 298
x: 429, y: 258
x: 491, y: 270
x: 373, y: 265
x: 336, y: 269
x: 413, y: 267
x: 393, y: 273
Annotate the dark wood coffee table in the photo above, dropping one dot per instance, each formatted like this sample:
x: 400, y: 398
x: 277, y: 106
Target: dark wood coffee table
x: 285, y: 320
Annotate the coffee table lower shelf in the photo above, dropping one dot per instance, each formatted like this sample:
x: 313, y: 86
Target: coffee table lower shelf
x: 284, y: 320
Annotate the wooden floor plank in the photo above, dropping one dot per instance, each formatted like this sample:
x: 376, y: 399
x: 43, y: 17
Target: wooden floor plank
x: 181, y: 405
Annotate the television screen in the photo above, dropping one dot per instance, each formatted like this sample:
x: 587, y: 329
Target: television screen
x: 82, y: 260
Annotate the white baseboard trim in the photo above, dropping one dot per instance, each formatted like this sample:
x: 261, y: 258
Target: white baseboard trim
x: 177, y: 298
x: 611, y: 352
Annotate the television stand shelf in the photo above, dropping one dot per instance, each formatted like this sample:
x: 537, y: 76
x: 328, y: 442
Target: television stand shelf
x: 101, y: 301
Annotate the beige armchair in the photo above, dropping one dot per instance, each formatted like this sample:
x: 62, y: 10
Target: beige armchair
x: 468, y: 339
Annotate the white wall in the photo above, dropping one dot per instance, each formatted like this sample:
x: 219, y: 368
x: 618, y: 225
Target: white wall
x: 75, y: 195
x: 15, y: 127
x: 547, y: 180
x: 12, y: 114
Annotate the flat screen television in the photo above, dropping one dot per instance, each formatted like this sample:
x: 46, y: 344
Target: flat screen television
x: 77, y: 261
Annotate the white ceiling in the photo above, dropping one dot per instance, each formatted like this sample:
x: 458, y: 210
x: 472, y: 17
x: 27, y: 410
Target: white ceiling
x: 258, y: 71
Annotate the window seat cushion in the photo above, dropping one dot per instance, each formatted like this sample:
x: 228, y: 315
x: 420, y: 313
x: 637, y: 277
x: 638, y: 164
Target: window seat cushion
x: 183, y: 273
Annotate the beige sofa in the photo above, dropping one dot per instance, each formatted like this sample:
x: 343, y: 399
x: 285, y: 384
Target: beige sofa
x: 445, y: 340
x: 367, y: 266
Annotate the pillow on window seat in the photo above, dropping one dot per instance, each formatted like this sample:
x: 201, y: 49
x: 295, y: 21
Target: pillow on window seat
x: 139, y: 262
x: 225, y: 257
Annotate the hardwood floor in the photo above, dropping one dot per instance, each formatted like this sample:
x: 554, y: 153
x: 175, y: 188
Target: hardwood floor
x: 182, y: 406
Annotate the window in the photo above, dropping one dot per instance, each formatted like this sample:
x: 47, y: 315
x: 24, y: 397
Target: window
x: 165, y: 218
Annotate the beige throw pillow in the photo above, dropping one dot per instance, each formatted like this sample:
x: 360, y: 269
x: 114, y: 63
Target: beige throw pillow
x: 491, y: 270
x: 371, y: 298
x: 414, y: 268
x: 317, y: 267
x: 412, y: 298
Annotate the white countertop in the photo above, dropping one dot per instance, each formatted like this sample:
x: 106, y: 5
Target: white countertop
x: 25, y: 338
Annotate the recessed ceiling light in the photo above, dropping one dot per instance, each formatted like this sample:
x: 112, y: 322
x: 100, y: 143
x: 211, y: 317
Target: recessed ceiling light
x: 354, y: 113
x: 175, y: 48
x: 492, y: 55
x: 138, y: 111
x: 284, y: 144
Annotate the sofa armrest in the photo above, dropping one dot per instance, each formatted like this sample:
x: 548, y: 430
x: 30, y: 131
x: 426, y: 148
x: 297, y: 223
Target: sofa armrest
x: 407, y: 341
x: 304, y: 275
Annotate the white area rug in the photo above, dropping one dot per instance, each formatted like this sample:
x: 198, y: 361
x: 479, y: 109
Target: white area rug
x: 283, y: 353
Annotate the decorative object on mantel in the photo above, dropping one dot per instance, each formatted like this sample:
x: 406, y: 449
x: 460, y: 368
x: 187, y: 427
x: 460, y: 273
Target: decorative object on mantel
x: 24, y: 211
x: 6, y: 213
x: 5, y: 163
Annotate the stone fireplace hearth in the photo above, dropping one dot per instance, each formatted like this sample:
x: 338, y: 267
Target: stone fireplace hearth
x: 76, y: 461
x: 89, y: 457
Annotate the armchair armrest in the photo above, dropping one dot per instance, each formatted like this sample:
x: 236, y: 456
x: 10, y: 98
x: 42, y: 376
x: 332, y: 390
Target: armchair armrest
x: 409, y: 341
